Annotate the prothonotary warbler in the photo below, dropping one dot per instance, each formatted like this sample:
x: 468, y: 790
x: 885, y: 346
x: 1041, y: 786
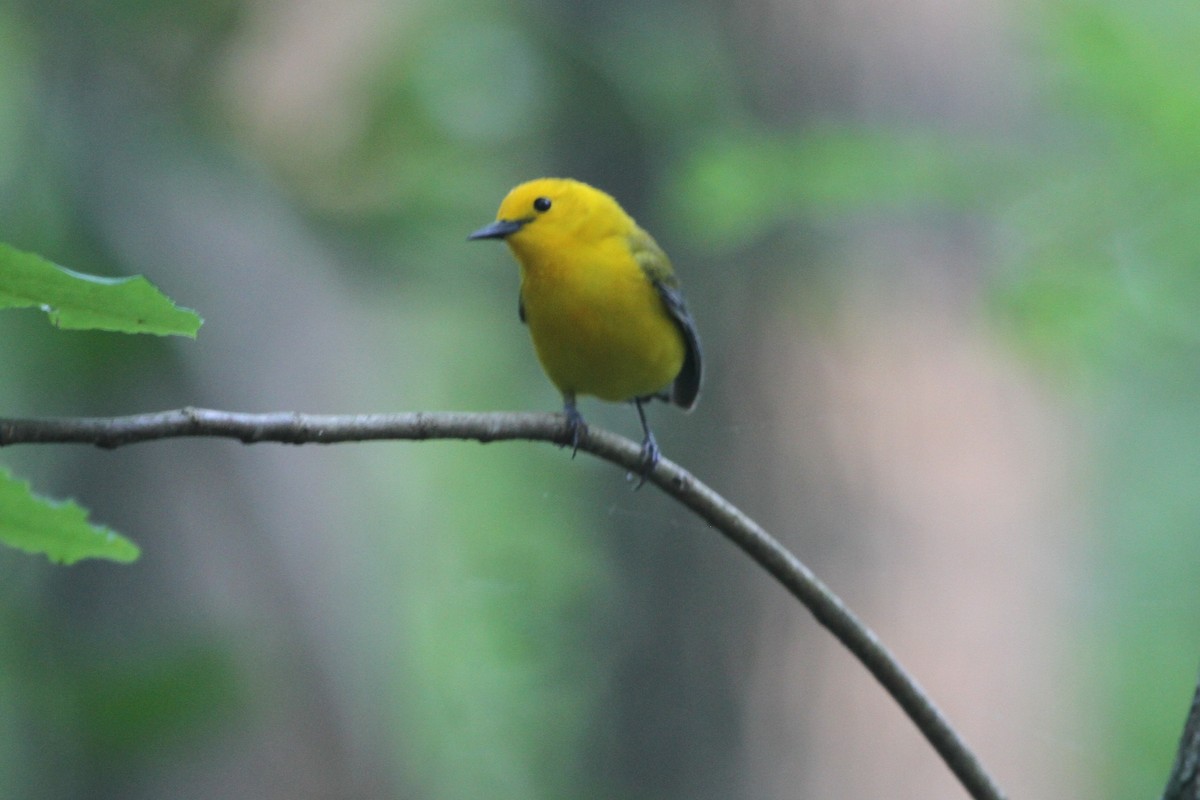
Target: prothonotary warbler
x: 602, y: 303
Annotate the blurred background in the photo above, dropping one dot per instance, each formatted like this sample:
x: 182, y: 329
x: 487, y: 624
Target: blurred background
x: 943, y: 259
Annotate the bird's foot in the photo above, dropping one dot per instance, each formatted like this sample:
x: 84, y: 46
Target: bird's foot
x: 648, y: 459
x: 576, y: 427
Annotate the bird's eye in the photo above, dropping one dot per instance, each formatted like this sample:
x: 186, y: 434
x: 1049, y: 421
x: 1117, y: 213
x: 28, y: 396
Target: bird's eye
x: 541, y: 204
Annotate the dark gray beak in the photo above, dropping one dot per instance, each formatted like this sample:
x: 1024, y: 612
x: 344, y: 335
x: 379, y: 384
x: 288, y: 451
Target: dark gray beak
x: 499, y: 229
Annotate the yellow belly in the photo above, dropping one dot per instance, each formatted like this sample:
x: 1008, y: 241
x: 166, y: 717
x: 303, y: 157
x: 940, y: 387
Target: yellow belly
x: 600, y: 331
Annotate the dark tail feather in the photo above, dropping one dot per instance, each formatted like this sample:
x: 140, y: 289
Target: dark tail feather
x: 686, y: 388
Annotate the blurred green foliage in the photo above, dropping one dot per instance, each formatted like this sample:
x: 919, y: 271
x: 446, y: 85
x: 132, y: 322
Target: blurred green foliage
x: 1103, y: 269
x: 741, y: 185
x: 1102, y: 277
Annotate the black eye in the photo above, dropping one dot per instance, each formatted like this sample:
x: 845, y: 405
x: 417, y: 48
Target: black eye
x: 541, y: 204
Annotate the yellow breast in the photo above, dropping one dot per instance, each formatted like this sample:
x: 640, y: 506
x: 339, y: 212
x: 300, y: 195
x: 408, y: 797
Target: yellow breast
x: 597, y: 322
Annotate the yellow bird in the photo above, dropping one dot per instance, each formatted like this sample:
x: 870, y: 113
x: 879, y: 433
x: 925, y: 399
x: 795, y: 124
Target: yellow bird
x: 603, y: 305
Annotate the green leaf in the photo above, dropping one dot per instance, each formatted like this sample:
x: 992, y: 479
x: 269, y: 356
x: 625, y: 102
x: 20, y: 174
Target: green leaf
x: 82, y: 302
x: 58, y: 530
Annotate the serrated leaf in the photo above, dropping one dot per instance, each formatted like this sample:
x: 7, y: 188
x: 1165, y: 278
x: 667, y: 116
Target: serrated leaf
x: 58, y: 530
x: 82, y: 302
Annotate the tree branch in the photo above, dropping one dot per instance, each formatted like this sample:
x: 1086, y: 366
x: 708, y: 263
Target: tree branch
x: 798, y: 579
x: 1184, y: 781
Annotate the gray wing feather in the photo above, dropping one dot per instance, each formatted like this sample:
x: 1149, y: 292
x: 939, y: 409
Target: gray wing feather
x: 657, y: 266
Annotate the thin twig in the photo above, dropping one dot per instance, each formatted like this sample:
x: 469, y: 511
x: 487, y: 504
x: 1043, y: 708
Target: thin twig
x: 1184, y: 781
x: 292, y: 428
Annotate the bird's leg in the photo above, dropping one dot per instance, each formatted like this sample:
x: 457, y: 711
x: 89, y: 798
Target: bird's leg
x: 650, y: 452
x: 575, y: 423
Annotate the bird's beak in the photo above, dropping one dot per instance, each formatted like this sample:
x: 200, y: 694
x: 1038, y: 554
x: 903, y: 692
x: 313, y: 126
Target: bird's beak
x: 499, y: 229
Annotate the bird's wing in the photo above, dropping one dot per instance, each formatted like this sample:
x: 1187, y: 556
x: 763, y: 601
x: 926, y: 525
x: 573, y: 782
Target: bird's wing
x: 654, y: 262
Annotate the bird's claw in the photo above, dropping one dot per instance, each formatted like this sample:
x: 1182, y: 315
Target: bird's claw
x: 576, y: 428
x: 648, y: 459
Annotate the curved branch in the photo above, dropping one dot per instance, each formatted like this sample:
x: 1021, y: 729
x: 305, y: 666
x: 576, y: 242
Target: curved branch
x: 798, y: 579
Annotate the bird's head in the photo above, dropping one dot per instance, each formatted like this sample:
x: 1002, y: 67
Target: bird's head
x: 547, y: 211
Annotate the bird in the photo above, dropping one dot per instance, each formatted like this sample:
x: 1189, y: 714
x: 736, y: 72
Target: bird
x: 603, y: 306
